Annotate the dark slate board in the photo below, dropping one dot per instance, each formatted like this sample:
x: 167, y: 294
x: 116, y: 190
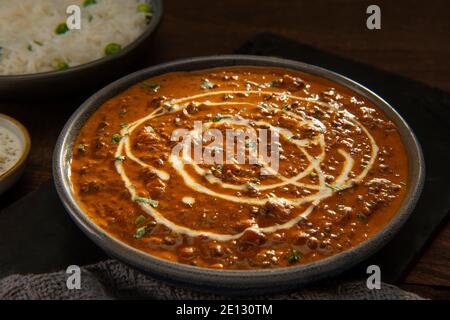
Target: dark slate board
x: 37, y: 235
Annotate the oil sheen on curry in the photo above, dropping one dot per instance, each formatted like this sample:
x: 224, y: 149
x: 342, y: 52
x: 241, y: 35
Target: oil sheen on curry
x: 341, y: 171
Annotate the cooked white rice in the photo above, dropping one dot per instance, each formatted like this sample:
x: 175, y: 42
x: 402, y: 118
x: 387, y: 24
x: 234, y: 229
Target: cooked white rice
x: 29, y: 43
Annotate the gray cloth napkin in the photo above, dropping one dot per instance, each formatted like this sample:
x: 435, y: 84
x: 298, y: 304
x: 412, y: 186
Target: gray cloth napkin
x: 114, y: 280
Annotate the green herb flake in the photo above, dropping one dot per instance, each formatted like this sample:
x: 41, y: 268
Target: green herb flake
x: 361, y: 216
x: 149, y: 129
x: 255, y: 180
x: 144, y: 7
x: 148, y: 201
x: 116, y: 138
x: 61, y: 65
x: 81, y: 147
x: 220, y: 117
x: 88, y: 3
x: 124, y: 125
x: 154, y: 86
x: 139, y: 220
x: 62, y: 28
x: 274, y: 84
x: 217, y: 168
x: 140, y: 232
x: 120, y: 158
x: 312, y: 174
x: 207, y: 85
x: 112, y: 48
x: 334, y: 187
x: 293, y: 256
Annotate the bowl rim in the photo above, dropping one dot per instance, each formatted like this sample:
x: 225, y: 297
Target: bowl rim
x: 25, y: 150
x: 235, y: 279
x: 150, y: 28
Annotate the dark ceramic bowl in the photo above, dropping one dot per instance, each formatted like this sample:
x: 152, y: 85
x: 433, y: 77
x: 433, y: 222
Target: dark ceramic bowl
x: 248, y: 281
x: 86, y: 77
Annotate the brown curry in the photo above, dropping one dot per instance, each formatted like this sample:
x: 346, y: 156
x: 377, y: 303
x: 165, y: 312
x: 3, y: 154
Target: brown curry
x: 335, y: 171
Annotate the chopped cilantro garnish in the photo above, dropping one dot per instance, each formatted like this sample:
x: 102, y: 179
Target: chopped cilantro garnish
x: 293, y: 256
x: 148, y: 201
x: 274, y: 84
x: 255, y: 180
x: 217, y: 168
x: 120, y: 158
x: 219, y: 118
x: 154, y: 86
x: 140, y: 232
x: 207, y: 85
x: 361, y: 216
x: 139, y: 220
x: 334, y: 187
x: 81, y: 147
x: 116, y: 138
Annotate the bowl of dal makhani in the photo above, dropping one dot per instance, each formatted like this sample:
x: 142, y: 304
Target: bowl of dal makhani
x: 238, y: 173
x: 55, y: 47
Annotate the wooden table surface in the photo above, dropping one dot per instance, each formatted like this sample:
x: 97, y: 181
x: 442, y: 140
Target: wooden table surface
x: 413, y: 42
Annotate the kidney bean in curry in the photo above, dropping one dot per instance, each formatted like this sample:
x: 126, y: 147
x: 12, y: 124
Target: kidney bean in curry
x: 342, y: 169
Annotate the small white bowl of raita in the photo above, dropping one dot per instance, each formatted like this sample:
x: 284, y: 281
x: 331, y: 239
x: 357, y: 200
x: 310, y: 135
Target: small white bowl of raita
x: 14, y: 149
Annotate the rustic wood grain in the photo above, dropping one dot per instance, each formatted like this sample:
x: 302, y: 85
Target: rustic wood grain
x: 414, y: 42
x: 433, y: 268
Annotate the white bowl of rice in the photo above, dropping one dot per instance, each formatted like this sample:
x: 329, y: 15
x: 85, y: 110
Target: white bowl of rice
x: 42, y: 51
